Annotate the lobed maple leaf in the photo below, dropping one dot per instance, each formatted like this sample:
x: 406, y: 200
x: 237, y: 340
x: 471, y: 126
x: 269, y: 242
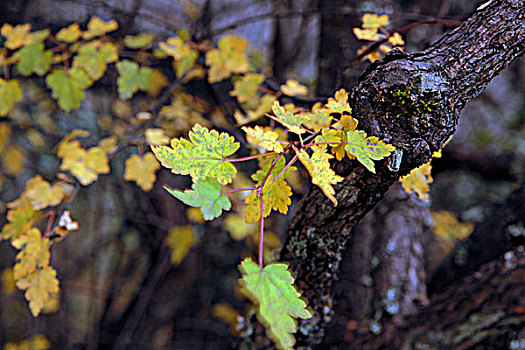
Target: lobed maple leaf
x: 39, y: 285
x: 34, y: 255
x: 33, y: 59
x: 142, y: 170
x: 207, y: 195
x: 93, y: 58
x: 97, y: 27
x: 19, y: 221
x: 266, y: 139
x: 247, y: 86
x: 228, y: 58
x: 418, y: 180
x: 318, y: 167
x: 132, y: 78
x: 85, y: 165
x: 69, y: 34
x: 288, y: 119
x: 68, y: 88
x: 203, y: 155
x: 279, y: 303
x: 366, y: 149
x: 40, y: 194
x: 276, y: 195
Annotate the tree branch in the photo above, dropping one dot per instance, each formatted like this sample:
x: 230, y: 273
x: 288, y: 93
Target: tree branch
x: 414, y: 102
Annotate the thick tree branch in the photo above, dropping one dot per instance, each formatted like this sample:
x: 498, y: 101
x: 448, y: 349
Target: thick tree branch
x: 414, y: 102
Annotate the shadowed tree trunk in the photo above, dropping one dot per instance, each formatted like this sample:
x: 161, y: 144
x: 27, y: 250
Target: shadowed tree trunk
x: 437, y: 83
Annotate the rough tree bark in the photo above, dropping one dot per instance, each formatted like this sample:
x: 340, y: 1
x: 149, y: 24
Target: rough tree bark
x: 414, y: 102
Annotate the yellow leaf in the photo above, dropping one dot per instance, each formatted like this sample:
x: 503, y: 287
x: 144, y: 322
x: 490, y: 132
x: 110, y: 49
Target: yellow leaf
x: 369, y: 34
x: 13, y: 159
x: 276, y: 195
x: 156, y: 137
x: 38, y: 342
x: 35, y: 254
x: 69, y: 34
x: 84, y: 165
x: 40, y: 284
x: 194, y: 215
x: 294, y: 88
x: 371, y: 20
x: 41, y: 194
x: 237, y: 226
x: 180, y: 240
x: 16, y: 36
x: 158, y: 82
x: 319, y: 168
x: 417, y: 181
x: 372, y: 56
x: 446, y: 226
x: 109, y: 144
x: 396, y: 40
x: 227, y: 314
x: 142, y: 170
x: 176, y: 47
x: 97, y: 27
x: 227, y: 59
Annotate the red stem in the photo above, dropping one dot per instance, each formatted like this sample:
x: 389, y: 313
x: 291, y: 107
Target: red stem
x: 49, y: 224
x: 250, y: 157
x: 261, y: 232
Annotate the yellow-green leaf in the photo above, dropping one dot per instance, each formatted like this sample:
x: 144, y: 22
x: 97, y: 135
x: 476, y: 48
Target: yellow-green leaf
x: 68, y: 88
x: 33, y: 59
x: 264, y: 138
x: 207, y: 195
x: 203, y: 155
x: 132, y: 78
x: 16, y: 36
x: 371, y: 20
x: 366, y: 149
x: 10, y: 92
x: 318, y: 166
x: 247, y: 86
x: 276, y: 195
x: 19, y: 221
x: 93, y: 60
x: 278, y: 302
x: 290, y: 120
x: 140, y: 41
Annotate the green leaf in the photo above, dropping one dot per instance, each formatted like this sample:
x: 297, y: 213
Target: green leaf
x: 204, y: 155
x: 10, y: 92
x: 288, y: 119
x: 132, y: 78
x: 366, y: 149
x: 139, y: 41
x: 279, y: 302
x: 207, y: 195
x: 94, y: 60
x: 33, y: 59
x: 68, y: 88
x: 247, y: 86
